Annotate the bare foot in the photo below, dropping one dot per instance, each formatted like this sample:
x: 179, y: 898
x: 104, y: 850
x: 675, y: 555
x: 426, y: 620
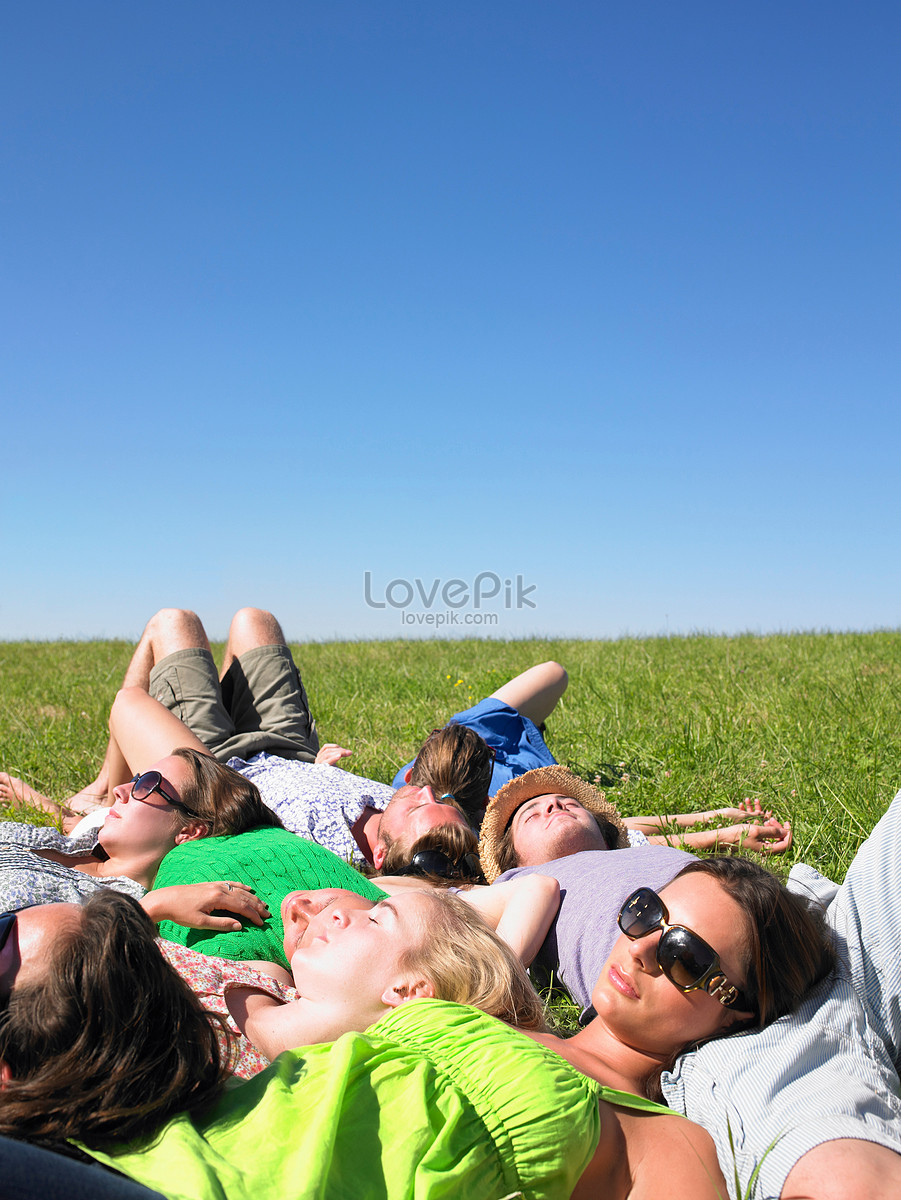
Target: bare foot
x: 17, y: 792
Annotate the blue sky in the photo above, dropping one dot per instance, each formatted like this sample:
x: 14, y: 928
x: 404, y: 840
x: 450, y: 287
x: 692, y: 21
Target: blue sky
x: 602, y: 297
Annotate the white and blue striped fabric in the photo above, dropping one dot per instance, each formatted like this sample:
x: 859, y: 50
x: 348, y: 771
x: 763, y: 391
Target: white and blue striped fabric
x: 830, y: 1070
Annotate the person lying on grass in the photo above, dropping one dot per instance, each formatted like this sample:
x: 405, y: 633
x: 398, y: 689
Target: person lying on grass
x: 434, y: 1094
x: 256, y: 718
x: 811, y: 1105
x: 698, y: 962
x: 169, y: 795
x: 550, y: 813
x: 511, y: 721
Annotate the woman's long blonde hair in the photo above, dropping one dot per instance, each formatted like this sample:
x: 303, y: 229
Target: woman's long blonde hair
x: 466, y: 962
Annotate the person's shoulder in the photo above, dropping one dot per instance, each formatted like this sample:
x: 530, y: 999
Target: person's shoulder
x: 668, y: 1153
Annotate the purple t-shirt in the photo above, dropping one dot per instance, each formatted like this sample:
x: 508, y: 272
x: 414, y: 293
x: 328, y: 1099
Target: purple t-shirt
x: 593, y: 886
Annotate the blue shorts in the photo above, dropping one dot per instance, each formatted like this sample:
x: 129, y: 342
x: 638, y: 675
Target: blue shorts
x: 518, y: 745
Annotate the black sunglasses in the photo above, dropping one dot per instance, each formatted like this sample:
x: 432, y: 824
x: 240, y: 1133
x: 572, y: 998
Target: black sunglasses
x: 143, y: 786
x: 687, y: 961
x: 7, y: 922
x: 436, y: 862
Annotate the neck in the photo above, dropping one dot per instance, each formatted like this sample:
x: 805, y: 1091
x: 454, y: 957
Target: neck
x: 141, y: 868
x: 365, y: 832
x: 598, y: 1053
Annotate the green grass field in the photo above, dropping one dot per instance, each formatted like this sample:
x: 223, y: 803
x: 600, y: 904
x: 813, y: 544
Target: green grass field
x: 808, y: 723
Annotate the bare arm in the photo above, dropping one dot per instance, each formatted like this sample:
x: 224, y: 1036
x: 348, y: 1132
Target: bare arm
x: 748, y: 809
x: 194, y: 905
x: 845, y: 1169
x: 671, y: 1156
x: 520, y: 910
x: 274, y: 1027
x: 772, y: 837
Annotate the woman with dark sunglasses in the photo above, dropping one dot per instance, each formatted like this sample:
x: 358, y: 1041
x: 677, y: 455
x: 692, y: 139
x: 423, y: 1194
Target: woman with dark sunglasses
x: 171, y: 793
x: 722, y: 948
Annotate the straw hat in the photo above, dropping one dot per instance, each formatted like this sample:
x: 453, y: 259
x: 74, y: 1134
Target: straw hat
x: 544, y: 781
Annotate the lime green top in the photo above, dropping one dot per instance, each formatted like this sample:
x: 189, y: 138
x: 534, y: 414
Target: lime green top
x: 273, y: 862
x: 435, y: 1102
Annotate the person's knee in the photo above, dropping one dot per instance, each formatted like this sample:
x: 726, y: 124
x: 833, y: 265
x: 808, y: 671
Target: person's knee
x: 174, y: 629
x: 124, y: 702
x: 167, y: 618
x: 554, y: 676
x: 254, y: 627
x: 252, y: 616
x: 845, y: 1169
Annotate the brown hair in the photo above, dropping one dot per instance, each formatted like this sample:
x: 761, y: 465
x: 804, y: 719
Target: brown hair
x: 225, y: 800
x: 111, y: 1043
x: 466, y: 962
x: 456, y: 841
x: 455, y: 760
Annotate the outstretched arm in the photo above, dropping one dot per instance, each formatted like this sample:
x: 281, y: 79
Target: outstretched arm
x: 772, y: 837
x: 746, y: 810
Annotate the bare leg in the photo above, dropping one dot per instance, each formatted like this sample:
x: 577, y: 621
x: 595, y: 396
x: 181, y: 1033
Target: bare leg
x: 168, y: 630
x: 17, y: 792
x: 535, y: 692
x: 251, y: 627
x: 141, y: 731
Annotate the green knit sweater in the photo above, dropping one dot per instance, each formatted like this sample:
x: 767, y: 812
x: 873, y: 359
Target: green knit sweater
x: 273, y: 862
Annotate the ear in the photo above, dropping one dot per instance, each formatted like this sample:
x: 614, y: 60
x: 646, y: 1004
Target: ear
x: 408, y: 774
x: 5, y: 1075
x: 738, y: 1021
x: 395, y: 994
x: 378, y: 855
x: 191, y: 832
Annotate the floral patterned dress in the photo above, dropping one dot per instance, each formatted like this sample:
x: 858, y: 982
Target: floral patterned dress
x: 210, y: 978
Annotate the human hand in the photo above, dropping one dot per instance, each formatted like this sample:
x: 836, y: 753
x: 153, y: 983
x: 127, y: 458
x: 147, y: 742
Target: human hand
x: 746, y: 808
x: 330, y: 754
x: 195, y: 905
x: 771, y: 837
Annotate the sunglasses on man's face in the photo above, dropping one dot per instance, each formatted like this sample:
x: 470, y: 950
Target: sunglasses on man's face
x: 7, y: 924
x: 687, y: 961
x: 436, y: 862
x: 143, y: 786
